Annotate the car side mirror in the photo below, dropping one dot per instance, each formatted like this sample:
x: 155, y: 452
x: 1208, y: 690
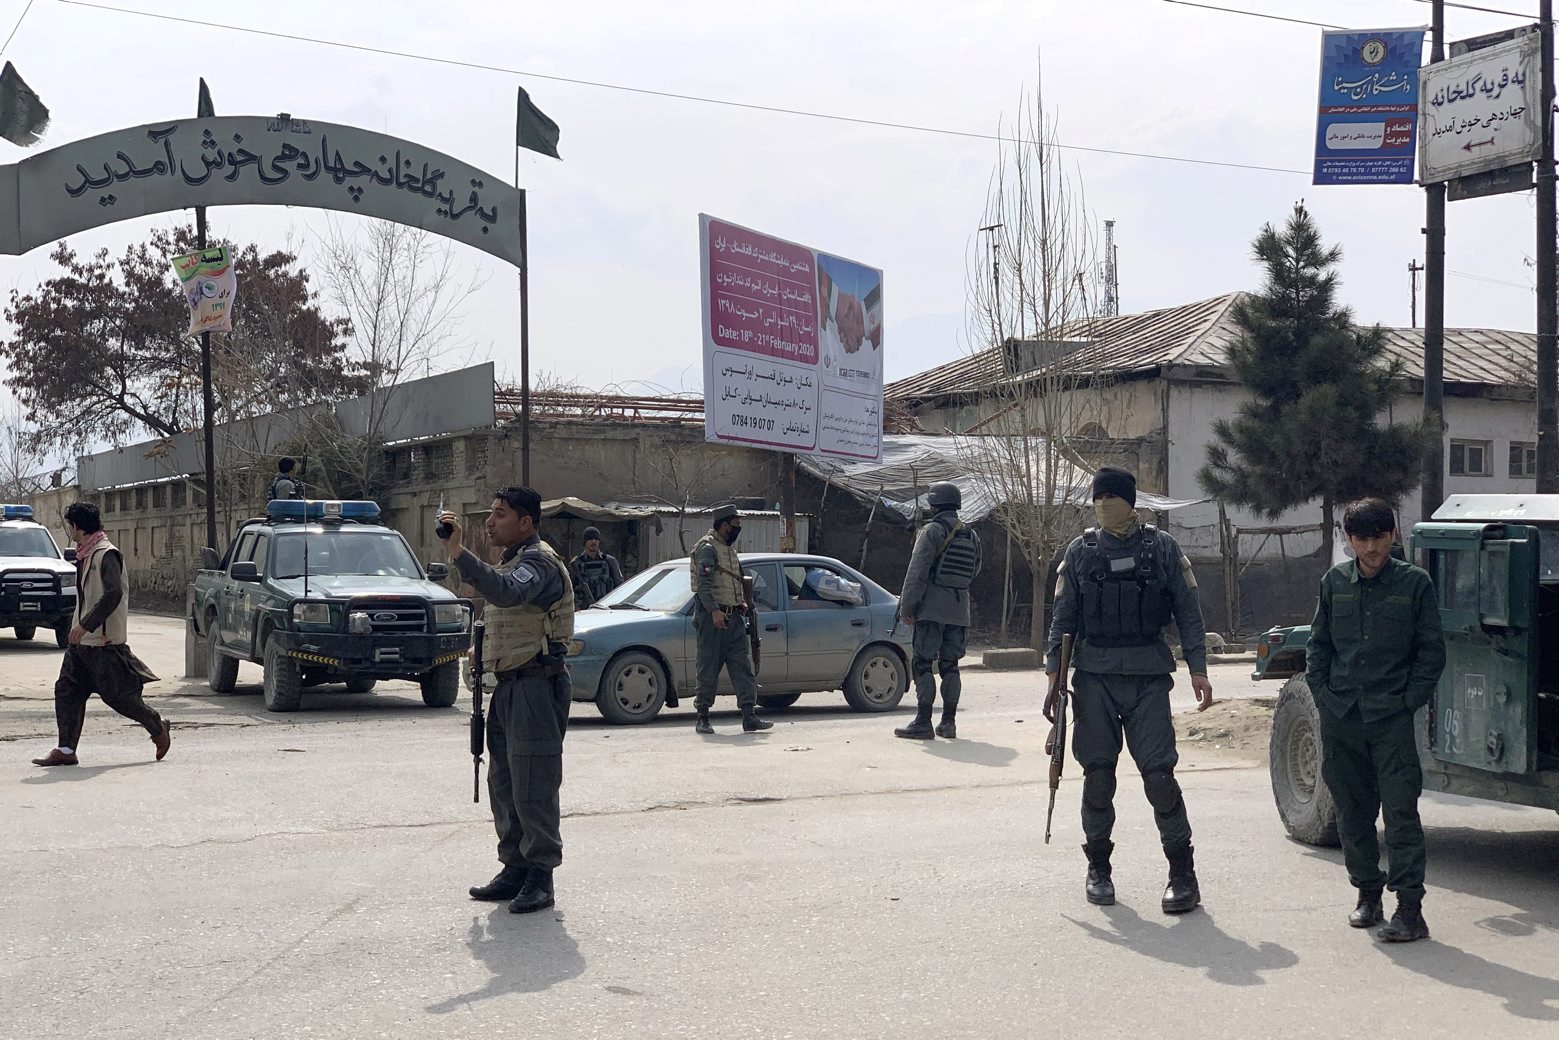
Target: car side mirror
x: 208, y: 559
x: 70, y: 555
x: 438, y: 571
x: 246, y: 570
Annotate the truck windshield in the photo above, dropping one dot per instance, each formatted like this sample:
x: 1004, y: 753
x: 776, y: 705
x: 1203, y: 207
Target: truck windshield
x: 342, y: 552
x: 27, y: 541
x: 660, y: 588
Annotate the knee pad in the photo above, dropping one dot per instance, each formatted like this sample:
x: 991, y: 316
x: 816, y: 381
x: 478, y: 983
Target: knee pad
x: 920, y: 666
x: 1163, y: 790
x: 1099, y: 788
x: 947, y: 668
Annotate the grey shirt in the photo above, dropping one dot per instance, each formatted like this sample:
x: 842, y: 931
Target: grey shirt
x: 1154, y: 659
x: 532, y: 581
x: 923, y: 600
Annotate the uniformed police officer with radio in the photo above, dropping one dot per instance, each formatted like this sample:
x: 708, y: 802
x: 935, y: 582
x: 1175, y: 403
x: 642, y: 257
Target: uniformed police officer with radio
x: 1120, y: 583
x: 935, y: 602
x: 594, y: 572
x: 721, y: 617
x: 530, y: 619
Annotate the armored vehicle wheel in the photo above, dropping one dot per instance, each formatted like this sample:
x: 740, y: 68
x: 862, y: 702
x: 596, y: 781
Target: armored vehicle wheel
x: 221, y: 670
x: 362, y: 684
x: 877, y: 680
x: 777, y: 701
x: 441, y: 686
x: 26, y: 631
x: 62, y: 634
x: 1304, y: 804
x: 283, y: 678
x: 633, y: 688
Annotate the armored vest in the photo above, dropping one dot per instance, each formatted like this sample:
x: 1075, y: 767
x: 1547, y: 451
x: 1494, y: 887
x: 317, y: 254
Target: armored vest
x: 1125, y: 592
x: 516, y: 635
x: 115, y: 630
x: 597, y: 574
x: 728, y: 570
x: 955, y: 565
x: 282, y: 487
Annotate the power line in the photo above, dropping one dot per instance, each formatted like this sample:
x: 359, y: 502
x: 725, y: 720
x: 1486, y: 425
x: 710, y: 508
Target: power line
x: 1492, y: 281
x: 834, y: 117
x: 1485, y: 10
x: 1255, y: 14
x: 15, y: 27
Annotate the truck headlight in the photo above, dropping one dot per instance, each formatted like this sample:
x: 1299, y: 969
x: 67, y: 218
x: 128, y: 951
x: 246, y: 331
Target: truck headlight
x: 576, y: 647
x: 450, y: 615
x: 68, y: 580
x: 311, y: 613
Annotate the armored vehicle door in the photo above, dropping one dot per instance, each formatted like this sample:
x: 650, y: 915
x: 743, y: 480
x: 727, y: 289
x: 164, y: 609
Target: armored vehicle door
x: 1486, y: 578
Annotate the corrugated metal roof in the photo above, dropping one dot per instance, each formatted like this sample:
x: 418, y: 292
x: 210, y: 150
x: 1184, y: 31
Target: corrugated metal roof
x: 1200, y: 333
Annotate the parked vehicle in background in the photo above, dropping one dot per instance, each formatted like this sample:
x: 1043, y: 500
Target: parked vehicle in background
x: 37, y: 580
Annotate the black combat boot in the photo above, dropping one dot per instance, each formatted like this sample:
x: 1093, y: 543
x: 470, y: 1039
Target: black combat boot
x: 752, y: 724
x: 1369, y: 912
x: 1182, y: 893
x: 1406, y: 925
x: 947, y: 729
x: 920, y: 729
x: 536, y: 893
x: 506, y: 885
x: 1100, y: 888
x: 702, y: 725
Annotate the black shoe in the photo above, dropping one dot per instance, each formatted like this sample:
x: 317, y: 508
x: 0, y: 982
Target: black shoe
x: 947, y: 730
x: 1369, y: 912
x: 920, y: 729
x: 703, y: 726
x: 1182, y: 894
x: 1406, y: 925
x: 506, y: 885
x: 752, y: 724
x: 536, y: 893
x: 1100, y: 888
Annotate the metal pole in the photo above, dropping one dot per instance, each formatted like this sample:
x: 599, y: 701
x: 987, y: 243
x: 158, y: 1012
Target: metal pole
x: 207, y: 403
x: 1413, y: 269
x: 1547, y: 318
x: 1434, y: 313
x: 524, y: 340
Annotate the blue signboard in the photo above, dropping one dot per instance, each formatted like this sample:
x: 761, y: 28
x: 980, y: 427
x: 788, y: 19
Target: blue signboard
x: 1367, y: 128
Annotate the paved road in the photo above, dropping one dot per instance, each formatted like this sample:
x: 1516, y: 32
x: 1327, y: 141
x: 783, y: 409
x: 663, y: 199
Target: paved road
x: 304, y: 875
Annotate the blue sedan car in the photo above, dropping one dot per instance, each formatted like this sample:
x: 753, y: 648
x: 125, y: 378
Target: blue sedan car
x: 824, y: 626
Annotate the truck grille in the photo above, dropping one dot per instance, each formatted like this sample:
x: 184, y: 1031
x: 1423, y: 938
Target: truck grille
x: 19, y: 589
x: 393, y: 618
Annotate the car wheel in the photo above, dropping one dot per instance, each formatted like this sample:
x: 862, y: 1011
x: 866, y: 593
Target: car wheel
x: 777, y: 701
x: 877, y: 680
x: 26, y: 631
x: 362, y: 684
x: 62, y: 634
x: 221, y: 670
x: 440, y: 687
x: 1304, y: 803
x: 633, y: 688
x: 283, y: 678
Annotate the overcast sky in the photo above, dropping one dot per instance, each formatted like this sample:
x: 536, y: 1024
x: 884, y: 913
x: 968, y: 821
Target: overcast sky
x: 615, y: 288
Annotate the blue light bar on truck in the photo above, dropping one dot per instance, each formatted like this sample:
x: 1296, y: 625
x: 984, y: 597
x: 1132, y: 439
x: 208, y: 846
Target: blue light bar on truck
x: 299, y: 510
x: 17, y: 512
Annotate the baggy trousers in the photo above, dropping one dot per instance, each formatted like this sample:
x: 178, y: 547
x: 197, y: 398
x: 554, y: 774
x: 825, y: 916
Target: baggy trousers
x: 109, y: 672
x: 1372, y: 769
x: 525, y: 728
x: 724, y: 648
x: 1106, y: 708
x: 937, y: 648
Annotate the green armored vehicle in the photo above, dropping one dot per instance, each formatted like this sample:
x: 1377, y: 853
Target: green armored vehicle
x: 319, y: 592
x: 1492, y: 729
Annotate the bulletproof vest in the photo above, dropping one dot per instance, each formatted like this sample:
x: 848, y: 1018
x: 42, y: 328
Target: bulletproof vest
x: 115, y: 630
x: 1125, y: 593
x: 282, y: 487
x: 728, y: 571
x: 515, y: 636
x: 955, y: 566
x: 597, y: 574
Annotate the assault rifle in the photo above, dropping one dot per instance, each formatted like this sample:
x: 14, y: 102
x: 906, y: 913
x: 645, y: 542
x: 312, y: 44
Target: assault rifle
x: 752, y: 622
x: 1055, y: 744
x: 478, y: 720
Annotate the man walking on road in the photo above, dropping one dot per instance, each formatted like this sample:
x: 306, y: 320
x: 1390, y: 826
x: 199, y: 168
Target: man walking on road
x: 1375, y: 655
x: 720, y: 619
x: 98, y: 658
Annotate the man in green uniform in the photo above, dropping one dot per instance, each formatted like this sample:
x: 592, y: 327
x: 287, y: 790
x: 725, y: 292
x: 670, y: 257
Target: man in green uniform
x: 1120, y: 583
x: 720, y: 619
x: 935, y: 602
x: 529, y: 620
x: 1375, y: 655
x: 594, y: 573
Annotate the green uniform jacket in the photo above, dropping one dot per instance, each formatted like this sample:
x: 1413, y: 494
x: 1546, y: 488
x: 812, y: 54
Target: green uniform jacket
x: 1375, y: 642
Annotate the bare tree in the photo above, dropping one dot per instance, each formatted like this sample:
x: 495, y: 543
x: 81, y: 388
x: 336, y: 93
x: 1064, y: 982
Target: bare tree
x: 24, y: 470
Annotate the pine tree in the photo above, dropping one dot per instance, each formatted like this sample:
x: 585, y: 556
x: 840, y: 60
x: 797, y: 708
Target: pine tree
x: 1320, y: 386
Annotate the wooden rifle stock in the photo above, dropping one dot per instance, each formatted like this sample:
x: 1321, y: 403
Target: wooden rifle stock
x: 1056, y: 744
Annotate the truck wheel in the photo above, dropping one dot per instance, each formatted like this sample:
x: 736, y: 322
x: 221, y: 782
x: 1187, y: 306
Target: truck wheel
x: 26, y: 631
x: 1304, y: 804
x: 283, y: 678
x: 221, y: 670
x: 877, y: 680
x: 360, y: 684
x: 441, y: 686
x: 633, y: 689
x: 777, y: 701
x: 62, y: 634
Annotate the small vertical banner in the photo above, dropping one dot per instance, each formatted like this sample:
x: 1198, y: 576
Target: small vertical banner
x: 1367, y: 122
x: 210, y: 285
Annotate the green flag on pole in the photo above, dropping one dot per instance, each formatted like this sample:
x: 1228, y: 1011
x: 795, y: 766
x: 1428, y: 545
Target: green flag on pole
x: 23, y: 118
x: 536, y: 129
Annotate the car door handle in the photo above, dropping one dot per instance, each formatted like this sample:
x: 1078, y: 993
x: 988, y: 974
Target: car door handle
x: 858, y: 623
x: 771, y: 628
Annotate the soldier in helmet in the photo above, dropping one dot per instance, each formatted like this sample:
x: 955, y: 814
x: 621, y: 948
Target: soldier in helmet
x: 720, y: 619
x: 593, y: 571
x: 1120, y: 583
x: 935, y: 601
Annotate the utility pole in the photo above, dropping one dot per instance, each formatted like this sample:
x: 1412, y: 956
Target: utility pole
x: 992, y: 244
x: 1413, y: 269
x: 1547, y: 295
x: 205, y: 110
x: 1433, y: 492
x: 1112, y: 282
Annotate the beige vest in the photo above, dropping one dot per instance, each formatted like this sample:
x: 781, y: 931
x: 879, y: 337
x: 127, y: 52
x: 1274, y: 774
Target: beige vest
x: 728, y: 571
x: 515, y: 635
x: 115, y: 630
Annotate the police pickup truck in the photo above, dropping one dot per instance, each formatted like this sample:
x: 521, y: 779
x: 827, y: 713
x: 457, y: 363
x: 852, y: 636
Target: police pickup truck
x: 37, y: 581
x: 322, y: 591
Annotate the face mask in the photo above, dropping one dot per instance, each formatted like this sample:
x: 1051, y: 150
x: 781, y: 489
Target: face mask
x: 731, y: 534
x: 1115, y: 515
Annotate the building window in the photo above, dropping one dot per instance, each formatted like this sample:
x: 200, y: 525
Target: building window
x: 1470, y: 458
x: 1523, y: 459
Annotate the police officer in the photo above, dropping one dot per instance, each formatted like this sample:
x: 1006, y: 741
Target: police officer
x: 1375, y: 655
x: 1120, y: 583
x: 284, y: 485
x: 719, y: 618
x: 594, y: 573
x: 935, y: 601
x: 529, y: 620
